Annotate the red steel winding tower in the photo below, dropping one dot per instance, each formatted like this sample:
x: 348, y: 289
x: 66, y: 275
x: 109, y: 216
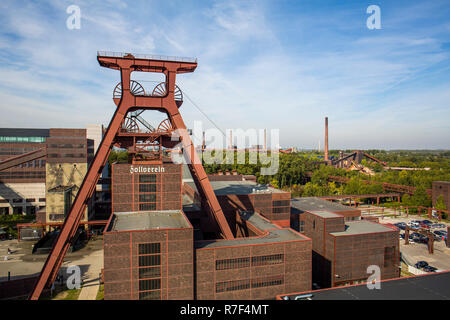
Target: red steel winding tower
x: 123, y: 130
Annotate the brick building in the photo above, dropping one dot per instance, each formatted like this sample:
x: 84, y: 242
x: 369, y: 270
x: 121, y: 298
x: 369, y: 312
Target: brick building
x: 441, y: 188
x: 184, y: 261
x: 343, y: 250
x: 247, y: 195
x: 45, y: 185
x: 306, y: 204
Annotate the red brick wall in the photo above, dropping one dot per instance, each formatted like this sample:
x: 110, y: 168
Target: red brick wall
x: 125, y: 186
x: 294, y: 272
x: 121, y: 263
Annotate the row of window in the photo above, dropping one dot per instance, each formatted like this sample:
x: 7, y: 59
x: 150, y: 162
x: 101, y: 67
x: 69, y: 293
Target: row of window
x: 21, y: 200
x: 67, y: 155
x: 147, y: 187
x: 236, y: 285
x: 149, y: 271
x: 237, y: 263
x: 147, y: 190
x: 22, y: 175
x: 22, y: 139
x: 67, y: 146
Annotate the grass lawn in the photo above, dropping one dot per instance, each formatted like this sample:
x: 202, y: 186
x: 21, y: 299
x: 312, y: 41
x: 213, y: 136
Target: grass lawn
x: 62, y: 293
x: 100, y: 293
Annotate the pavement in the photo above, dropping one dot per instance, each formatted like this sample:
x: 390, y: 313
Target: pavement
x: 22, y: 263
x: 419, y: 251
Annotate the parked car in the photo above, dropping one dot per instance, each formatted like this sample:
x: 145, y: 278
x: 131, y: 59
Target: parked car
x: 429, y: 269
x: 426, y: 222
x: 400, y: 225
x: 424, y: 225
x: 421, y: 264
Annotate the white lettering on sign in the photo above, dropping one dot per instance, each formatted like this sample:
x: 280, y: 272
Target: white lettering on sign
x: 142, y: 169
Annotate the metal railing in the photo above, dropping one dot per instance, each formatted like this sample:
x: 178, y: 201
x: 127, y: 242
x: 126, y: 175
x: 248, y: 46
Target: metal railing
x: 145, y: 56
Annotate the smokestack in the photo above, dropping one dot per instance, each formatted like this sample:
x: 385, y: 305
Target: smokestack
x: 326, y: 138
x: 204, y: 141
x: 265, y: 141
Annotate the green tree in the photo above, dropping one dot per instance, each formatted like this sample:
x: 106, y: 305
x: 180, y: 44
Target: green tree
x: 440, y: 204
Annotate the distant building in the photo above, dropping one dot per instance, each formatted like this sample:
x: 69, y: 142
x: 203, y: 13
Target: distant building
x: 47, y: 184
x: 441, y: 188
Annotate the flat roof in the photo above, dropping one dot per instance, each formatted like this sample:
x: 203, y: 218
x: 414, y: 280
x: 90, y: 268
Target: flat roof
x: 327, y: 214
x: 433, y: 286
x: 148, y: 220
x: 222, y: 188
x: 274, y: 234
x: 361, y: 227
x: 317, y: 204
x: 24, y: 132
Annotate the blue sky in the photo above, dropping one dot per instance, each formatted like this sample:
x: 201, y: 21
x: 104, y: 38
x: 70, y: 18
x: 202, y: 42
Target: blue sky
x: 262, y: 64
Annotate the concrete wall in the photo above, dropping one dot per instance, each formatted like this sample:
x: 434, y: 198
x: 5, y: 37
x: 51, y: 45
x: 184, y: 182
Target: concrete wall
x: 21, y: 192
x: 62, y: 174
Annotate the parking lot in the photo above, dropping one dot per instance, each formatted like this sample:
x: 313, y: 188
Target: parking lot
x: 415, y: 252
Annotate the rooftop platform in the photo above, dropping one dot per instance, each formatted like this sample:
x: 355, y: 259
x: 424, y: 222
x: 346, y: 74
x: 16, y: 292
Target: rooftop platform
x: 362, y: 227
x: 434, y: 286
x: 148, y: 220
x: 110, y: 54
x: 222, y: 188
x: 273, y: 234
x: 326, y: 214
x: 317, y: 204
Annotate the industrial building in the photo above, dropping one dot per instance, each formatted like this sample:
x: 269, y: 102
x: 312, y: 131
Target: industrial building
x: 153, y: 251
x: 41, y: 170
x: 343, y: 245
x: 441, y: 188
x: 177, y: 233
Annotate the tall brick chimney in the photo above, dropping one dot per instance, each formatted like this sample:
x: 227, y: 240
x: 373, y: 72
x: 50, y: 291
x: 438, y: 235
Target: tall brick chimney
x: 326, y: 138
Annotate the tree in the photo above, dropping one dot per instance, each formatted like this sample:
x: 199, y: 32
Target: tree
x: 440, y: 204
x: 421, y: 197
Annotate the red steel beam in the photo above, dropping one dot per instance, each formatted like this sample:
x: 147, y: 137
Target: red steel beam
x: 23, y: 158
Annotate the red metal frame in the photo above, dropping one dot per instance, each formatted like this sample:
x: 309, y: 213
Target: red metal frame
x: 128, y: 102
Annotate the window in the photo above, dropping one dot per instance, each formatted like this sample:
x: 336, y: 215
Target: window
x: 247, y: 283
x: 232, y: 263
x: 232, y: 285
x: 301, y: 226
x: 146, y: 178
x: 147, y: 206
x: 267, y: 260
x: 280, y: 210
x: 149, y: 271
x: 237, y: 263
x: 282, y: 203
x: 151, y: 260
x: 147, y: 197
x: 147, y: 188
x: 150, y: 295
x: 149, y: 248
x: 146, y: 285
x: 267, y: 282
